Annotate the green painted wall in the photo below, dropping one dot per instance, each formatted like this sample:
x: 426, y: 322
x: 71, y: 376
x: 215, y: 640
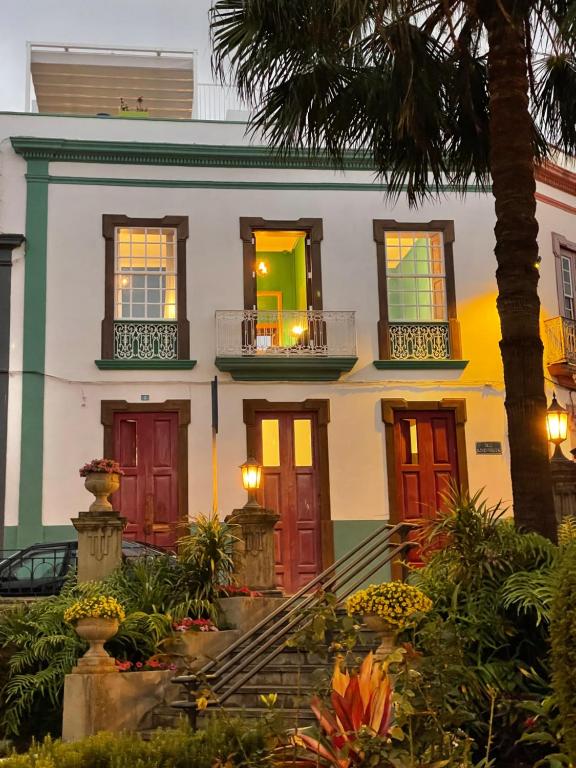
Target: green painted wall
x: 300, y: 273
x: 16, y: 539
x: 349, y: 533
x: 280, y: 277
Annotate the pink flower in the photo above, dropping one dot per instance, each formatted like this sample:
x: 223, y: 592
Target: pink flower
x: 138, y: 664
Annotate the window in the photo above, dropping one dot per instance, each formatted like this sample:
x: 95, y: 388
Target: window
x: 567, y: 288
x: 417, y: 293
x: 565, y: 256
x: 145, y: 273
x: 415, y: 277
x: 145, y: 300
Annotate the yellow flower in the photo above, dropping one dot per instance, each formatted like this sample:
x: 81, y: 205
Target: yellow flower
x: 201, y: 702
x: 269, y: 700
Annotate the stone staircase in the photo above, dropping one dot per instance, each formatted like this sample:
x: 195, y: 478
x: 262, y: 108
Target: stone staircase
x: 261, y: 660
x: 292, y: 675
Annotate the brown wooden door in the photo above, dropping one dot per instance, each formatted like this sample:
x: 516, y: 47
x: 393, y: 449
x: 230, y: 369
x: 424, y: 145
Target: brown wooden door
x: 288, y: 449
x: 426, y: 463
x: 146, y: 446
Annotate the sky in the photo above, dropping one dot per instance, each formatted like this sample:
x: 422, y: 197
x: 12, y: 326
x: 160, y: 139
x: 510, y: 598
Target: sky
x: 181, y: 24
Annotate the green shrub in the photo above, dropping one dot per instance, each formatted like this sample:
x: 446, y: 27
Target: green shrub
x: 205, y: 556
x: 485, y: 643
x: 42, y: 648
x: 230, y: 743
x: 563, y: 642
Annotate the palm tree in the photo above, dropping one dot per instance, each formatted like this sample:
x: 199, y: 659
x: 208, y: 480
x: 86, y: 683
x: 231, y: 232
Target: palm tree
x: 435, y: 91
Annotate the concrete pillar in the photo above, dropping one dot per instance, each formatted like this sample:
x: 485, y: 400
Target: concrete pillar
x: 99, y: 544
x: 563, y: 486
x: 254, y: 557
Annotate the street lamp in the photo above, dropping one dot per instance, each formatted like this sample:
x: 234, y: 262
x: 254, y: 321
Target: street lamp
x: 557, y: 426
x: 251, y: 479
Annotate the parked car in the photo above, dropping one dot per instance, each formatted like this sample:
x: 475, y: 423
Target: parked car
x: 41, y: 569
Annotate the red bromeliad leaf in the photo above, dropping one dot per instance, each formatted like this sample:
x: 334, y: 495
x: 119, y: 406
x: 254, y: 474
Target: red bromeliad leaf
x: 323, y: 751
x: 342, y: 713
x: 354, y: 704
x: 379, y: 720
x: 324, y: 716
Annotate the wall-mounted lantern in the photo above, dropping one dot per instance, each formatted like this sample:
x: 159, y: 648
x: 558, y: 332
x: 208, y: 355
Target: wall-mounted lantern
x: 557, y: 426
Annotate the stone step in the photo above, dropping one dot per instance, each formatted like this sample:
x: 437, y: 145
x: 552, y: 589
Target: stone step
x: 292, y: 717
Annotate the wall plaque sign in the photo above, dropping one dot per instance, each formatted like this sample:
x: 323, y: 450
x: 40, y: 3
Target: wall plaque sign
x: 489, y: 447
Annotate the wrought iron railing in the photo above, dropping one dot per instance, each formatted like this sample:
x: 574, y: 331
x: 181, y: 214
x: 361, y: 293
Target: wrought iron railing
x: 419, y: 341
x: 228, y: 672
x: 290, y: 332
x: 145, y: 340
x: 560, y: 340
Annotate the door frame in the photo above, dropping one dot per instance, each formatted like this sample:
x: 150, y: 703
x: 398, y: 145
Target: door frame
x: 322, y: 410
x: 313, y: 229
x: 182, y: 407
x: 389, y: 408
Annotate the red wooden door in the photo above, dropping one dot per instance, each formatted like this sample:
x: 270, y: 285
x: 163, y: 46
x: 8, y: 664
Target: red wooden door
x: 426, y: 463
x: 288, y: 449
x: 146, y: 446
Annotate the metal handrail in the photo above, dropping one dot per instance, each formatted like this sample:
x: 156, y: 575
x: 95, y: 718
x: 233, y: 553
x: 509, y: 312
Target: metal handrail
x: 340, y: 576
x: 295, y: 598
x: 281, y: 632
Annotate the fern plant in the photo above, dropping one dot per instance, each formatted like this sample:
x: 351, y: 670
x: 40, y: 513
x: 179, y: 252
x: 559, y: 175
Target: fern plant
x: 491, y: 587
x: 563, y: 643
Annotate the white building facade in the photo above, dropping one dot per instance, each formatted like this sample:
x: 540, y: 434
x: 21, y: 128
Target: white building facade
x: 355, y: 340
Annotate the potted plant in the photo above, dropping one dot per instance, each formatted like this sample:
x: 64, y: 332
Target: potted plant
x: 95, y: 619
x: 386, y: 609
x: 102, y: 478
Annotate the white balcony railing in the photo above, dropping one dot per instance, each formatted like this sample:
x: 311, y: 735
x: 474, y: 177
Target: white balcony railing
x: 560, y: 340
x: 218, y: 102
x: 290, y: 332
x: 419, y: 341
x: 145, y: 340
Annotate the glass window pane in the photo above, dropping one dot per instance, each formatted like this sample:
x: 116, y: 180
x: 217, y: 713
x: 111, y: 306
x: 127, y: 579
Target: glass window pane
x: 270, y: 443
x: 302, y: 443
x: 416, y: 280
x: 146, y: 259
x: 409, y: 429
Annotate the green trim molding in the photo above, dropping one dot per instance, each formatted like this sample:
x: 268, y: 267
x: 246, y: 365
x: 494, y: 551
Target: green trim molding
x: 285, y: 368
x: 189, y: 155
x: 420, y: 365
x: 145, y: 365
x: 32, y: 433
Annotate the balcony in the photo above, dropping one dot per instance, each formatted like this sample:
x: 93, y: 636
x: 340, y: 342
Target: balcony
x: 420, y: 345
x: 125, y: 82
x: 419, y: 341
x: 145, y: 344
x: 145, y: 340
x: 289, y: 345
x: 560, y: 336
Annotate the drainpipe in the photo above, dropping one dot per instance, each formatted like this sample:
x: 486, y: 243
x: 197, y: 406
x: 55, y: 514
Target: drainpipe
x: 7, y: 245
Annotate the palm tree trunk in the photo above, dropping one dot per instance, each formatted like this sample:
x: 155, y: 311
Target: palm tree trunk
x: 512, y: 163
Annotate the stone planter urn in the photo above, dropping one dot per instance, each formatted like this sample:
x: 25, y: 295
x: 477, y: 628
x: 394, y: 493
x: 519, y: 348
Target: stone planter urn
x: 102, y: 485
x: 387, y: 632
x: 96, y: 631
